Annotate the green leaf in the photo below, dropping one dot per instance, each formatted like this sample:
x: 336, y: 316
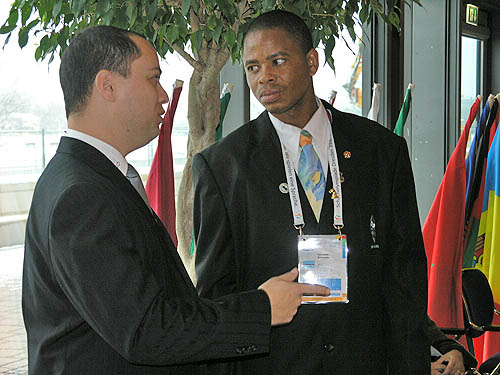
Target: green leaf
x: 186, y: 4
x: 217, y: 32
x: 77, y: 6
x: 26, y: 12
x: 131, y: 13
x: 57, y: 8
x: 38, y: 53
x: 267, y: 5
x: 394, y: 19
x: 172, y: 33
x: 212, y: 22
x: 102, y: 6
x: 330, y: 45
x: 7, y: 28
x: 108, y: 17
x: 229, y: 37
x: 196, y: 39
x: 363, y: 15
x: 32, y: 24
x: 23, y: 37
x: 13, y: 17
x: 151, y: 9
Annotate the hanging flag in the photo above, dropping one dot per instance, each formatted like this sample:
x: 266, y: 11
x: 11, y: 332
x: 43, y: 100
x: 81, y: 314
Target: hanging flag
x: 160, y: 184
x: 332, y: 97
x: 474, y: 200
x: 373, y: 113
x: 225, y: 97
x: 405, y: 108
x: 442, y: 233
x: 470, y: 162
x: 488, y: 253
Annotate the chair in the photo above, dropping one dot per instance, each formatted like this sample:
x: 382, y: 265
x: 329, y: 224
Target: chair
x: 478, y: 305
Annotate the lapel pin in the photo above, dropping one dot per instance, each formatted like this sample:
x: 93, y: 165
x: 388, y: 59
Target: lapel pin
x: 283, y: 187
x: 347, y: 154
x: 334, y: 194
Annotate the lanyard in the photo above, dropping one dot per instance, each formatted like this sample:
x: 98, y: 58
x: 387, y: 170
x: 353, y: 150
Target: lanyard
x: 293, y: 192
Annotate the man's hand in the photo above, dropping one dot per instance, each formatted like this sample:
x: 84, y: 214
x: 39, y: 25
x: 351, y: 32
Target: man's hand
x: 450, y: 363
x: 284, y: 294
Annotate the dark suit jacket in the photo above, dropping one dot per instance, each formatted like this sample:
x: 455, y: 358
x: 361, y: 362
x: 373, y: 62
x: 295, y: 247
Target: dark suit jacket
x: 104, y: 290
x: 245, y: 234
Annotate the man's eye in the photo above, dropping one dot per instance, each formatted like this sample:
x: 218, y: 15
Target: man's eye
x: 278, y: 61
x: 252, y: 68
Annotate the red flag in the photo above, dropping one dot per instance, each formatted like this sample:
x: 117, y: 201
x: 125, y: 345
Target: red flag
x: 160, y: 184
x: 443, y: 237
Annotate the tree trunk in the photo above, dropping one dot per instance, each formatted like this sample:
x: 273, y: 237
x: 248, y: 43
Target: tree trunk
x: 203, y: 117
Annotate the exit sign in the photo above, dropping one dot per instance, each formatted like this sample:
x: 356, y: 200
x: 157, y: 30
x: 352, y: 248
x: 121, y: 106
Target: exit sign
x: 471, y: 14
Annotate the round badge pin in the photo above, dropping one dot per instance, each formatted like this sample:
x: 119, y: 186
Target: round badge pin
x: 347, y: 154
x: 283, y: 187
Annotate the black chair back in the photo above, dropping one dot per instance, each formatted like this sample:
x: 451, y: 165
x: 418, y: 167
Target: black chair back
x: 478, y: 301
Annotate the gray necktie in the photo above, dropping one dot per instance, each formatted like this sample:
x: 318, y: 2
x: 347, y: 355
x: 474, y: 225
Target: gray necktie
x: 136, y: 182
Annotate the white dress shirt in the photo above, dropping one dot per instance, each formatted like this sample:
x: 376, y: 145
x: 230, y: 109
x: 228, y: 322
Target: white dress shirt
x: 289, y: 136
x: 109, y: 151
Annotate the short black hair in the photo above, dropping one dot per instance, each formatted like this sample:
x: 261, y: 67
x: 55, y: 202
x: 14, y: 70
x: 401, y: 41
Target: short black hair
x: 287, y: 21
x: 94, y: 49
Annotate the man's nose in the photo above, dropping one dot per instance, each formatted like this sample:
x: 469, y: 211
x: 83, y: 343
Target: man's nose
x: 266, y: 75
x: 163, y: 96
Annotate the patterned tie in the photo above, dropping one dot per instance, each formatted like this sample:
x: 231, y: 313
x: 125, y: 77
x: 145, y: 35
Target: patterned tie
x: 311, y: 173
x: 136, y: 182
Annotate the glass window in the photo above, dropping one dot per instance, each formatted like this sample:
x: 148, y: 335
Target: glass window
x: 470, y: 81
x: 32, y: 115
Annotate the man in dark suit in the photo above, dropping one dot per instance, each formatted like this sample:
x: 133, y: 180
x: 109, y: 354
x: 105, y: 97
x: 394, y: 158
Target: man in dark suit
x: 104, y: 290
x: 245, y: 229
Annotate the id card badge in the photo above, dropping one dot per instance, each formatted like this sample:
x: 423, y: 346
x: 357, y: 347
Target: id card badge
x: 323, y: 261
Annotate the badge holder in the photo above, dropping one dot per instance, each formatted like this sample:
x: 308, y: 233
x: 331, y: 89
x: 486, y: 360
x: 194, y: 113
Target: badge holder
x: 323, y: 261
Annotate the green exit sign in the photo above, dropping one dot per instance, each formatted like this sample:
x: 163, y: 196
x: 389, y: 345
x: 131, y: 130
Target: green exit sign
x: 471, y: 15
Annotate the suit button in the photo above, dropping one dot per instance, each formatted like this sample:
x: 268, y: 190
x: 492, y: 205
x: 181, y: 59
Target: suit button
x: 328, y: 347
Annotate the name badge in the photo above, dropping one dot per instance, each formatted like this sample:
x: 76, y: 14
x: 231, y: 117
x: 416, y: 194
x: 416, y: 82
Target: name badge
x: 323, y: 261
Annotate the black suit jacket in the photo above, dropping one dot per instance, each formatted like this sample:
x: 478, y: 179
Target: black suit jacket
x: 104, y: 290
x: 245, y: 234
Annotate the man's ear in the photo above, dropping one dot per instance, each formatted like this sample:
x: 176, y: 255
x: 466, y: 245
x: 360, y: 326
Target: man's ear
x: 104, y: 85
x: 313, y: 61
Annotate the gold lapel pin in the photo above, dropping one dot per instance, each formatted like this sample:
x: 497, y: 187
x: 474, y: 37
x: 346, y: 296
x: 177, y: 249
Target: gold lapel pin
x: 347, y: 154
x: 333, y: 193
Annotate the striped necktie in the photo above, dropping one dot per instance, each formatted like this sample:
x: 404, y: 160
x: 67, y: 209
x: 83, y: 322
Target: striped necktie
x: 311, y: 174
x: 135, y: 180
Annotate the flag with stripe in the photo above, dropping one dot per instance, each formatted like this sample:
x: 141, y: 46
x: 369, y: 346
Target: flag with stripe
x: 160, y: 186
x: 405, y: 109
x: 487, y: 254
x: 442, y: 233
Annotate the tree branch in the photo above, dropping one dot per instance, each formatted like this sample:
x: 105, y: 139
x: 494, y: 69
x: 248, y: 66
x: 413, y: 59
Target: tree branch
x: 177, y: 48
x: 190, y: 59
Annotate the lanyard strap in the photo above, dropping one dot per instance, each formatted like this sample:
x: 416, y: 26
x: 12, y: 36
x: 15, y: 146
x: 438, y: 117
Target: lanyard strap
x: 293, y: 192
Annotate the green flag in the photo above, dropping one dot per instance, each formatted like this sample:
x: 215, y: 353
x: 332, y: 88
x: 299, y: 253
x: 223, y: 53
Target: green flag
x: 225, y: 96
x: 403, y: 114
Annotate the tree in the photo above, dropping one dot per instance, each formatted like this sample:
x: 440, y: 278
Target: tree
x: 206, y: 33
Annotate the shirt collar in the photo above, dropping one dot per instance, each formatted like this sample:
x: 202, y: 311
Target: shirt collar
x: 317, y: 126
x: 109, y: 151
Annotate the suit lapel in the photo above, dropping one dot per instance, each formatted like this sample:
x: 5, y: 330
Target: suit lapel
x: 266, y: 150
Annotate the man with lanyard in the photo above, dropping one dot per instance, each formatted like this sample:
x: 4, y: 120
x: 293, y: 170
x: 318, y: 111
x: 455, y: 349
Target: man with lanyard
x: 307, y: 185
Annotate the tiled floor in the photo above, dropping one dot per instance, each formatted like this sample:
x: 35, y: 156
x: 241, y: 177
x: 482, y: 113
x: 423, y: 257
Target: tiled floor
x: 13, y: 354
